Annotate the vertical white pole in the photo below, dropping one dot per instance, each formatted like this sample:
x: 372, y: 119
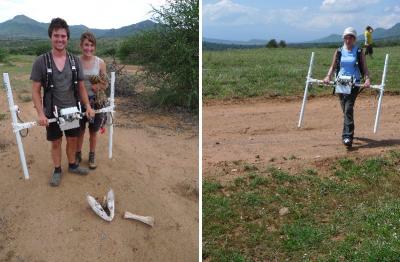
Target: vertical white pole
x: 306, y: 90
x: 11, y: 104
x: 378, y: 110
x: 110, y: 135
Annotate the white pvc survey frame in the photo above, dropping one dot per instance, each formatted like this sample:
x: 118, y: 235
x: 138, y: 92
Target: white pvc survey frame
x: 19, y: 126
x: 311, y: 80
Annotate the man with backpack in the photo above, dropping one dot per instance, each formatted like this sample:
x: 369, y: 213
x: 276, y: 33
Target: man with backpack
x: 350, y: 67
x: 61, y: 76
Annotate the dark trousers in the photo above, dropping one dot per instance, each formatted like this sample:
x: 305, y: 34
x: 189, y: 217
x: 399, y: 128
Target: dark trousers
x: 369, y: 50
x: 347, y: 103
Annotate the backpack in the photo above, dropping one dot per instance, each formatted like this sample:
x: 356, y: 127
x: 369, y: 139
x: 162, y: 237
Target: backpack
x: 358, y: 61
x: 49, y: 84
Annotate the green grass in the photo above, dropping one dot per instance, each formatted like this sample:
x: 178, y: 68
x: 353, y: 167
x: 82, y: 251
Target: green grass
x: 350, y: 214
x: 19, y: 69
x: 280, y: 72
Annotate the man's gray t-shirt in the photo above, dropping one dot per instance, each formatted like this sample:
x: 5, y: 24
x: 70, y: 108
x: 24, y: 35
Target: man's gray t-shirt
x: 63, y: 91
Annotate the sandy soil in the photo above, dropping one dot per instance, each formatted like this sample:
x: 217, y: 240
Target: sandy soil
x: 154, y: 171
x: 264, y: 131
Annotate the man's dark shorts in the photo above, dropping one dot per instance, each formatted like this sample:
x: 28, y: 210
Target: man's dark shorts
x: 369, y: 50
x: 96, y: 123
x: 54, y: 132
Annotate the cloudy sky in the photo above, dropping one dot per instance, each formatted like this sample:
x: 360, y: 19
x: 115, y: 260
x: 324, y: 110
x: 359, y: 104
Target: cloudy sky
x: 102, y: 14
x: 294, y: 21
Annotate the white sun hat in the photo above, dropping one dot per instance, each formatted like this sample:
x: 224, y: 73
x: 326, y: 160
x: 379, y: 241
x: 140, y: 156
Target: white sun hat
x: 350, y: 31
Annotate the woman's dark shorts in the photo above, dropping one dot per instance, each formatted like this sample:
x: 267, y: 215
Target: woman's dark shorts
x: 97, y: 122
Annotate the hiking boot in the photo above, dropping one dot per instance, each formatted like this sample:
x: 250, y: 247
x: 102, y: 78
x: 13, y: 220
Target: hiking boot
x: 347, y: 142
x: 92, y: 163
x: 78, y: 157
x: 78, y: 170
x: 55, y: 178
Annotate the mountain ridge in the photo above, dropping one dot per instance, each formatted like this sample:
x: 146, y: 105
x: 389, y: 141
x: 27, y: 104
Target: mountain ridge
x: 378, y: 34
x: 24, y: 27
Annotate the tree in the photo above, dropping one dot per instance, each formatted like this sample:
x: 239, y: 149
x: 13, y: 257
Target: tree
x: 3, y: 55
x: 170, y: 52
x: 282, y: 44
x: 272, y: 44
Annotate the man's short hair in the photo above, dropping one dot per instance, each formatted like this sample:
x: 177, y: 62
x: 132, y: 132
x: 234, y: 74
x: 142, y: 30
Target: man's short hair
x: 58, y: 23
x: 369, y: 28
x: 89, y: 36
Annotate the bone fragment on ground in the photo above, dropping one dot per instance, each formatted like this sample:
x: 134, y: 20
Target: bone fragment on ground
x: 107, y: 212
x: 145, y: 219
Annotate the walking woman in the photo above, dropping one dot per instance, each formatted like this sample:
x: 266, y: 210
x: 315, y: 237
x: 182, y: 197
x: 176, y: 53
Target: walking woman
x: 349, y: 66
x: 94, y: 70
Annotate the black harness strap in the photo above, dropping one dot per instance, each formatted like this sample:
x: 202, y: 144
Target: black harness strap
x: 74, y: 76
x: 358, y: 61
x: 49, y: 85
x: 358, y: 64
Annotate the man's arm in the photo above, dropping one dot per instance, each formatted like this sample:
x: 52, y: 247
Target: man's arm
x: 37, y: 101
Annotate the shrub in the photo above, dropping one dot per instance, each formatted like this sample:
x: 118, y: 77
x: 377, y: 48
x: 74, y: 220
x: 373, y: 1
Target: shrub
x: 272, y: 44
x: 170, y: 53
x: 3, y: 55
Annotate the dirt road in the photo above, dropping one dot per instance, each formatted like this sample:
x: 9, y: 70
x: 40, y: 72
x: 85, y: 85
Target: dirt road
x: 265, y: 131
x: 154, y: 172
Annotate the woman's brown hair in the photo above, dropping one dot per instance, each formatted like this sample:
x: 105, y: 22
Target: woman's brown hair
x: 89, y: 36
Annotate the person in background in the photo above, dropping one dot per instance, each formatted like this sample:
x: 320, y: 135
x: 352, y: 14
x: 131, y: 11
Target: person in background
x: 368, y: 41
x: 94, y: 71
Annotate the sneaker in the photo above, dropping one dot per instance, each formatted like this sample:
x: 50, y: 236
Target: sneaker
x: 347, y: 142
x: 78, y: 170
x: 55, y: 178
x: 92, y: 163
x: 78, y: 157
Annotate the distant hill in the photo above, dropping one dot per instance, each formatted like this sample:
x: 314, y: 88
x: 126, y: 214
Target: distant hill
x: 233, y: 42
x: 220, y: 46
x: 23, y: 27
x: 379, y: 34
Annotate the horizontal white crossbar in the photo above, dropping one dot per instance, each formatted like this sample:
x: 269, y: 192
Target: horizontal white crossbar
x: 332, y: 83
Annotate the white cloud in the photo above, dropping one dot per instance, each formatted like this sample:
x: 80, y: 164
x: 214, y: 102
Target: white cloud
x: 351, y: 6
x: 227, y: 12
x: 388, y: 21
x: 324, y: 21
x: 394, y: 9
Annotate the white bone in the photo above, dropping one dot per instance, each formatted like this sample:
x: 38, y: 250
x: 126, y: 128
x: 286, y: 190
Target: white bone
x: 110, y: 203
x: 99, y: 210
x: 145, y: 219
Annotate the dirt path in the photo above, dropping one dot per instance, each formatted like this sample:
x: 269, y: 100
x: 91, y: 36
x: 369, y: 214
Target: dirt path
x: 265, y: 131
x: 154, y: 172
